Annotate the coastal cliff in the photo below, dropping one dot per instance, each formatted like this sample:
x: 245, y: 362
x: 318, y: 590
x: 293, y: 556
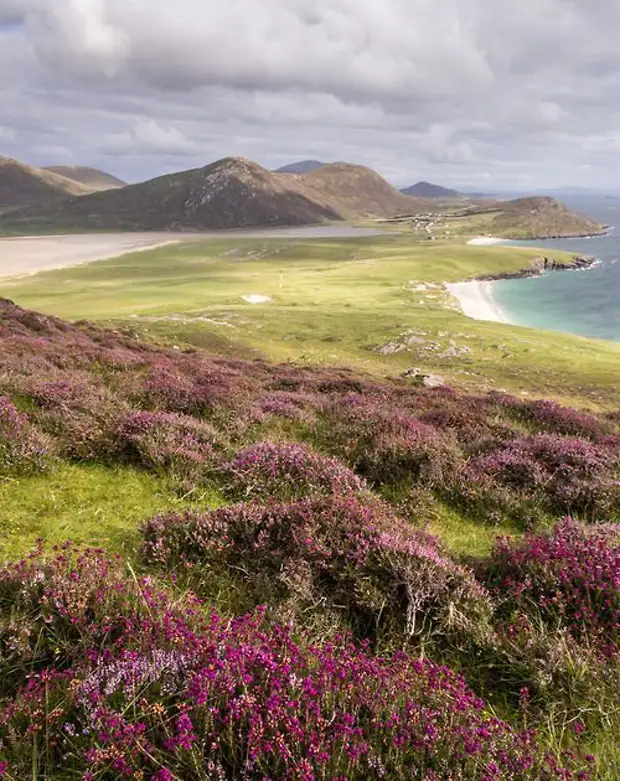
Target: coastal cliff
x: 539, y: 265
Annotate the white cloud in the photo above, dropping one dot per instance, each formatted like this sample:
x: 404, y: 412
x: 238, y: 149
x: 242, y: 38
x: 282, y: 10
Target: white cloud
x: 442, y: 89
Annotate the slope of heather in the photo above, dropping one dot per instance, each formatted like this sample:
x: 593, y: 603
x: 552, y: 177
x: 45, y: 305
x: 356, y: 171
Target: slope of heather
x: 300, y: 167
x: 251, y: 611
x: 540, y: 217
x: 92, y: 178
x: 230, y: 193
x: 428, y: 190
x: 22, y: 185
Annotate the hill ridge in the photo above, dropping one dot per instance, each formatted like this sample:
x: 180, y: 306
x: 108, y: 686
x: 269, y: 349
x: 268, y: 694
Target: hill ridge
x: 94, y: 178
x: 232, y: 192
x: 424, y: 189
x: 24, y: 185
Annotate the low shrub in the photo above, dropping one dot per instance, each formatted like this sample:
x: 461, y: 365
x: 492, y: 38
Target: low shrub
x: 553, y: 418
x: 287, y: 471
x: 290, y: 406
x: 569, y: 578
x: 177, y: 446
x: 78, y: 413
x: 475, y: 430
x: 562, y: 475
x: 160, y: 691
x: 329, y: 553
x: 187, y: 384
x: 386, y: 446
x: 23, y: 449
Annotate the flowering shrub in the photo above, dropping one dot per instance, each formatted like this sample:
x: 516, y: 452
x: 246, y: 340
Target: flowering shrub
x: 192, y: 387
x: 562, y: 474
x: 166, y: 692
x: 291, y: 406
x: 284, y: 470
x: 385, y: 445
x: 552, y: 417
x: 23, y: 449
x: 334, y: 551
x: 77, y: 412
x: 475, y: 431
x: 175, y: 445
x: 570, y: 577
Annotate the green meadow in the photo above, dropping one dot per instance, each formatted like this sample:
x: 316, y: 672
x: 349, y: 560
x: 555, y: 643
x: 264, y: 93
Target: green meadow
x: 331, y: 302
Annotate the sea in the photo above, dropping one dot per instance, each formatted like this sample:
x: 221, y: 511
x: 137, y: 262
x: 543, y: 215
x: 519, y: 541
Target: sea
x: 585, y: 302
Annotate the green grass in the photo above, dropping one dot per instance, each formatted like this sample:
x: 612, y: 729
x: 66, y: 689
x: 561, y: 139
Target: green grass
x: 88, y: 504
x: 334, y: 302
x: 465, y: 537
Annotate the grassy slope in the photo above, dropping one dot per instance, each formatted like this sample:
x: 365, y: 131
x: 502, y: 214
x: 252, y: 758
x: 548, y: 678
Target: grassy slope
x: 333, y: 302
x: 88, y: 504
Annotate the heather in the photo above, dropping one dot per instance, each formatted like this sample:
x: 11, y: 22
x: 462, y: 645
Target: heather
x: 277, y: 606
x: 124, y: 681
x: 351, y: 556
x: 569, y: 577
x: 178, y: 446
x: 23, y: 448
x: 559, y: 474
x: 263, y: 430
x: 287, y: 470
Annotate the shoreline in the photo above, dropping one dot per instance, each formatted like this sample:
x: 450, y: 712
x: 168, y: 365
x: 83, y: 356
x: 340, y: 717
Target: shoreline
x: 475, y: 299
x: 475, y: 296
x: 489, y: 241
x: 26, y: 255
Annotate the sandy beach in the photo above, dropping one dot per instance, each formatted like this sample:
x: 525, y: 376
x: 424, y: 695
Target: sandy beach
x: 28, y: 254
x: 485, y: 241
x: 476, y: 301
x: 23, y: 255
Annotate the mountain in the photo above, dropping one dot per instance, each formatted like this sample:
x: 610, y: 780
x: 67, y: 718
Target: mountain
x: 22, y: 185
x: 354, y: 192
x: 230, y: 193
x: 537, y: 218
x: 301, y: 167
x: 428, y: 190
x: 90, y: 177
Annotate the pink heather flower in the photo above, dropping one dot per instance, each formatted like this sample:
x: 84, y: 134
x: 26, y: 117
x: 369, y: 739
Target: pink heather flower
x: 163, y: 775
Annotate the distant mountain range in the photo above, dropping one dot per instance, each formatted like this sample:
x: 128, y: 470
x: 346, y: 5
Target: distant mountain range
x: 428, y: 190
x: 229, y: 193
x: 301, y: 167
x: 237, y: 193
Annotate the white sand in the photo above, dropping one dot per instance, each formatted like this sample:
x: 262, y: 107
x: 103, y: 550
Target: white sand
x: 476, y: 301
x: 485, y: 241
x: 256, y: 298
x: 28, y: 254
x: 23, y: 255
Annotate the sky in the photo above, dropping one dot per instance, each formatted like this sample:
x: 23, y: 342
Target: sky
x: 480, y: 94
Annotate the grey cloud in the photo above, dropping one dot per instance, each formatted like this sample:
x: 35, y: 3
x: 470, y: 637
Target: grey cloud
x: 444, y: 89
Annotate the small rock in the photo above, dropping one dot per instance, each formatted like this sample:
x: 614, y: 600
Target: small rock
x: 426, y: 380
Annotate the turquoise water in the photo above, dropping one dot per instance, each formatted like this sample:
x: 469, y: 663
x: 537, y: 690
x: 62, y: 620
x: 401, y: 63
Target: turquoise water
x: 579, y: 302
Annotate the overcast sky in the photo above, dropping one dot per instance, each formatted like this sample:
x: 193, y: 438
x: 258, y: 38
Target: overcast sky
x: 481, y: 93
